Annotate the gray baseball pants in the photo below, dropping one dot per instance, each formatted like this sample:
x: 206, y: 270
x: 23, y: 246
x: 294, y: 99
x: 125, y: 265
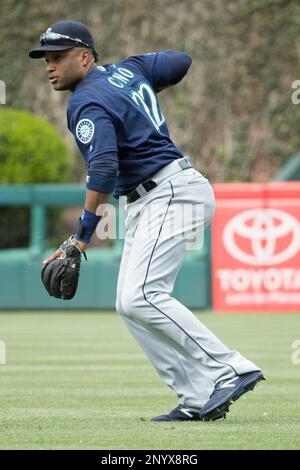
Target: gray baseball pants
x: 160, y: 227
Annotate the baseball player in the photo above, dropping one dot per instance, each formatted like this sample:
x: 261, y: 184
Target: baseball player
x: 122, y: 134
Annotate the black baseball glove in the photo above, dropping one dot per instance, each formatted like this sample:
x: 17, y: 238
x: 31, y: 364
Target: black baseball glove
x: 60, y: 276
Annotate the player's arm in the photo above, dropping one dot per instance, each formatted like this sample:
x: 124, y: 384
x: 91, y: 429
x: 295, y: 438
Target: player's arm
x: 161, y: 69
x: 93, y: 200
x: 87, y: 222
x: 96, y: 138
x: 100, y: 152
x: 178, y: 63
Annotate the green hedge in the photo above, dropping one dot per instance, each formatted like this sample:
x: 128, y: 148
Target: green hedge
x: 31, y: 151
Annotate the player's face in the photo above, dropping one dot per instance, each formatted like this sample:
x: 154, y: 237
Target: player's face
x: 65, y: 68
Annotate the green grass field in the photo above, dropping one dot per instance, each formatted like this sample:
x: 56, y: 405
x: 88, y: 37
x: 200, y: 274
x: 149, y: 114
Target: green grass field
x: 79, y: 381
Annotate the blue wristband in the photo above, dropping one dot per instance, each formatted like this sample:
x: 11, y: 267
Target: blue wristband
x: 87, y: 225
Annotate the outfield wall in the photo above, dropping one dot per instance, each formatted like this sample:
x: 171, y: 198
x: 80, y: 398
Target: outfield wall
x: 255, y: 262
x: 20, y: 282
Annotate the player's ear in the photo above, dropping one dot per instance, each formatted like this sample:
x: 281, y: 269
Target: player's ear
x: 85, y: 56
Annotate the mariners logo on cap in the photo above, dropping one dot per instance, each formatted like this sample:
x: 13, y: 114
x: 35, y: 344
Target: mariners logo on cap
x: 85, y: 130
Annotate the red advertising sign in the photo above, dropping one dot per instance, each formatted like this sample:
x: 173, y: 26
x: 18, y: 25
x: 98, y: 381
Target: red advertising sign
x: 256, y: 247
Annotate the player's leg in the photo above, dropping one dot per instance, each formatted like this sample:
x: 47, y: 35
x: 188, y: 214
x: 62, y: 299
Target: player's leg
x: 150, y: 275
x: 179, y: 374
x: 182, y: 375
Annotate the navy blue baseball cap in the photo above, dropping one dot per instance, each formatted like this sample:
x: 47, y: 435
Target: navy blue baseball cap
x: 64, y: 35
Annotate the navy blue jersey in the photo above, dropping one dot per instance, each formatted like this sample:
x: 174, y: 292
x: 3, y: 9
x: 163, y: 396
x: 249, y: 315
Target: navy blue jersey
x: 116, y: 120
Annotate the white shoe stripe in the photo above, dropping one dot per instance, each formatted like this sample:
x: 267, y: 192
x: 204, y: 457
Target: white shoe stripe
x: 228, y: 383
x: 186, y: 412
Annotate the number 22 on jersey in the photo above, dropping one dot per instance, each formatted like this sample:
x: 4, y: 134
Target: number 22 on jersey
x: 145, y: 97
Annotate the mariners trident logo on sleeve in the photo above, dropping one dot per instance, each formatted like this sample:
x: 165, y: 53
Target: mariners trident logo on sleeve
x: 85, y: 130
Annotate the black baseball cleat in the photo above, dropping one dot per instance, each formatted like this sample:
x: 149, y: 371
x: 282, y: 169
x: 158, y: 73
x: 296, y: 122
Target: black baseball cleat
x: 228, y: 391
x: 180, y: 413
